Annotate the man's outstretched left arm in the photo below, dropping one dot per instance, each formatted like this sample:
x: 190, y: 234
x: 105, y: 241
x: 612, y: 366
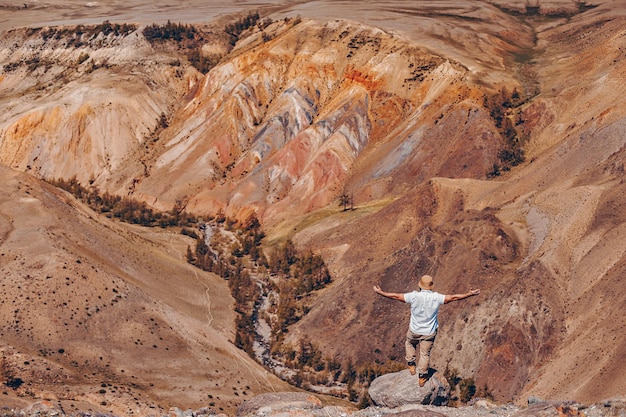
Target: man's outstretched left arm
x: 456, y: 297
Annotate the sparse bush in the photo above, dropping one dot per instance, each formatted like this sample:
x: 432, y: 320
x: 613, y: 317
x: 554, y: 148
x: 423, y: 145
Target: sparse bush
x: 495, y: 171
x: 11, y: 66
x: 14, y: 383
x: 467, y: 389
x: 189, y: 232
x: 235, y: 29
x: 201, y: 62
x: 82, y: 58
x: 485, y: 392
x: 365, y: 400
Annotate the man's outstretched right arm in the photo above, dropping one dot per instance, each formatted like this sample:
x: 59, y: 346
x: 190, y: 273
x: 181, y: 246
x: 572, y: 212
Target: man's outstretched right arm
x: 392, y: 295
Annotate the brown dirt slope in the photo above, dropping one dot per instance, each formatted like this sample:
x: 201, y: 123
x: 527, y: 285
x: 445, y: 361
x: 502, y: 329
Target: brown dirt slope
x: 107, y: 317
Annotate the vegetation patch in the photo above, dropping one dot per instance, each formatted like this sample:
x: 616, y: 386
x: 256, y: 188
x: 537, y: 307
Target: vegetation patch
x: 80, y: 35
x: 505, y: 110
x: 125, y: 209
x: 190, y: 39
x: 534, y: 9
x: 462, y: 390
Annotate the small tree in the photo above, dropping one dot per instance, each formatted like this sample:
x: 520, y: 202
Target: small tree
x: 346, y: 200
x: 486, y: 393
x: 190, y: 257
x: 163, y: 121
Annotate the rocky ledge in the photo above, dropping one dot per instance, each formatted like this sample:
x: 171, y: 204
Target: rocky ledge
x: 396, y: 394
x: 290, y: 404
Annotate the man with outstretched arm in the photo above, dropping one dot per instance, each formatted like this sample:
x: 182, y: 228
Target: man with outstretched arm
x: 423, y: 323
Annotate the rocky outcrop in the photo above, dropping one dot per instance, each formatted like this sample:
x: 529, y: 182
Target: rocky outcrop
x: 288, y: 404
x: 401, y: 388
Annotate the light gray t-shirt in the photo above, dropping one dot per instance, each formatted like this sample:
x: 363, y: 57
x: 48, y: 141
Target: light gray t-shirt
x: 424, y: 308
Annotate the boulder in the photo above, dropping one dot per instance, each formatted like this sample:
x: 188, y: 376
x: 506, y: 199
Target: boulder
x: 401, y: 388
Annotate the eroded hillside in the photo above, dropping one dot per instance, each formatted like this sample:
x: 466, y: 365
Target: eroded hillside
x: 487, y: 150
x: 105, y: 317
